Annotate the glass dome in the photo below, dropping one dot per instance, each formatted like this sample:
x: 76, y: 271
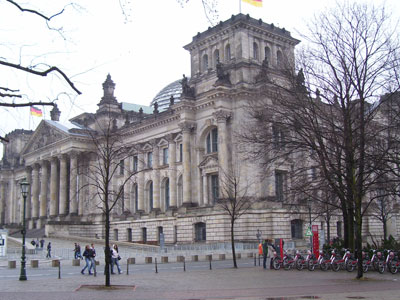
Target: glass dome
x: 163, y: 97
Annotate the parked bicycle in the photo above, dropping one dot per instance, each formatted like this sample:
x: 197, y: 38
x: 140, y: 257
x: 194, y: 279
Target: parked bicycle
x: 325, y: 263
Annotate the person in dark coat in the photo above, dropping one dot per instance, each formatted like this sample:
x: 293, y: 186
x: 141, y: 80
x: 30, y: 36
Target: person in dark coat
x: 48, y: 250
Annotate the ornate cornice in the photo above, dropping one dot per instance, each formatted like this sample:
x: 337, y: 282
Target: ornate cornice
x: 187, y: 126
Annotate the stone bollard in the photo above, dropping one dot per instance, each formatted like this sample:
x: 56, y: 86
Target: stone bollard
x: 76, y: 262
x: 148, y: 260
x: 164, y: 259
x: 97, y: 262
x: 195, y: 258
x: 180, y: 258
x: 12, y: 264
x: 34, y: 263
x: 221, y: 257
x: 55, y: 263
x: 131, y: 260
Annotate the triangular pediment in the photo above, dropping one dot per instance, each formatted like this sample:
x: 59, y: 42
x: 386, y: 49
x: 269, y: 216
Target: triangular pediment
x: 210, y: 162
x: 44, y: 135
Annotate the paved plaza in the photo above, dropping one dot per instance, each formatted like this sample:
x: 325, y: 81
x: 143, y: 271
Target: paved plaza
x: 197, y: 282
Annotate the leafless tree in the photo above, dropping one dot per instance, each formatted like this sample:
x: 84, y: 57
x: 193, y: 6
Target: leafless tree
x: 110, y: 152
x: 234, y: 200
x: 13, y: 96
x: 351, y: 60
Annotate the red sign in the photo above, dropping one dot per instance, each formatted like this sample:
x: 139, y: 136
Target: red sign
x: 281, y: 248
x: 315, y: 240
x: 314, y: 228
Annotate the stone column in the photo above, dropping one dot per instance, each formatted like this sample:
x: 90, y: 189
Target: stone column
x: 127, y: 195
x: 172, y: 173
x: 44, y: 189
x: 73, y: 185
x: 205, y: 190
x: 141, y: 165
x: 53, y: 188
x: 63, y: 206
x: 28, y: 207
x: 35, y: 191
x: 187, y: 128
x: 156, y: 178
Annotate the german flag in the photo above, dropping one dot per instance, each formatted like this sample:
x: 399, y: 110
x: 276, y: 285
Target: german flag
x: 36, y: 112
x: 257, y: 3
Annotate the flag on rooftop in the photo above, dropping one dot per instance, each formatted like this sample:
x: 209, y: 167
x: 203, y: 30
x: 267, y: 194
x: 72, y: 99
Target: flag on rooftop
x: 257, y: 3
x: 36, y: 112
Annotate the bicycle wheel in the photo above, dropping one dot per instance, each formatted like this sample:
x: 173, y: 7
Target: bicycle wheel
x: 335, y: 266
x: 299, y: 264
x: 381, y: 267
x: 351, y: 265
x: 286, y: 264
x: 311, y: 265
x: 276, y: 264
x: 324, y: 265
x: 393, y: 267
x: 365, y: 266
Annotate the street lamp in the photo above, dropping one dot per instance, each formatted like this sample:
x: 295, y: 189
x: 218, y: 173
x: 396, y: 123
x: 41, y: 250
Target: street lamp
x: 24, y: 191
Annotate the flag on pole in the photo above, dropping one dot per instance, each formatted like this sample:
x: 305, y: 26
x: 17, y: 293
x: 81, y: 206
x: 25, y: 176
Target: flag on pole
x: 36, y: 112
x: 257, y: 3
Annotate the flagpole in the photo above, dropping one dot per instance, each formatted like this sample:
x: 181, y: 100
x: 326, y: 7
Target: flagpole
x: 240, y: 6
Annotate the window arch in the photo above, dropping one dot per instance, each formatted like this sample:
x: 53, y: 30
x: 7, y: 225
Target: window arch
x: 180, y: 191
x: 227, y: 52
x: 212, y: 141
x: 267, y: 51
x: 205, y: 63
x: 297, y: 228
x: 216, y: 57
x: 150, y: 195
x: 255, y: 51
x: 279, y: 58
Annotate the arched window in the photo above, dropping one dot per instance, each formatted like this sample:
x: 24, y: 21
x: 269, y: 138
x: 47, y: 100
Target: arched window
x: 150, y: 195
x: 212, y: 141
x: 205, y: 63
x: 216, y: 57
x: 166, y: 193
x: 297, y: 229
x: 279, y: 58
x: 200, y: 232
x: 180, y: 191
x: 255, y: 51
x: 228, y: 53
x: 268, y: 54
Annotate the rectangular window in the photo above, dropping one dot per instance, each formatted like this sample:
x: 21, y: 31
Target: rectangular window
x: 121, y: 167
x: 150, y: 159
x: 165, y: 156
x: 180, y: 152
x: 280, y: 185
x: 135, y: 164
x: 278, y: 137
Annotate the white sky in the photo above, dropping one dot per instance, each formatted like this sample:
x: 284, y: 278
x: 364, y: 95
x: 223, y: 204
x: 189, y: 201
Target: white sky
x: 142, y: 55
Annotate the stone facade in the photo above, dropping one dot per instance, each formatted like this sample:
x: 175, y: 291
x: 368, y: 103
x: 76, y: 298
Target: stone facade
x: 180, y: 154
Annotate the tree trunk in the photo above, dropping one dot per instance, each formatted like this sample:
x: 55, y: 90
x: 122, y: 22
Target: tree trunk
x: 107, y: 244
x: 233, y: 243
x: 384, y: 222
x: 358, y: 219
x: 345, y: 229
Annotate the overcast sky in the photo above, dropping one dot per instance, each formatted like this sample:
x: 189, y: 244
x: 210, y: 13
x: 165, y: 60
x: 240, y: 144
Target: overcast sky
x: 143, y: 54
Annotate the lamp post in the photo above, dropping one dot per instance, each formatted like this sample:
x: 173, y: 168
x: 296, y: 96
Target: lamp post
x: 24, y: 191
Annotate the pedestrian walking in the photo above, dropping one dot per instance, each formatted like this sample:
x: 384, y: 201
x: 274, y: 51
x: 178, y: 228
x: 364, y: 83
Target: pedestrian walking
x: 42, y: 243
x: 92, y: 258
x: 75, y: 251
x: 79, y: 254
x: 265, y: 253
x: 115, y: 258
x: 48, y: 250
x: 87, y: 255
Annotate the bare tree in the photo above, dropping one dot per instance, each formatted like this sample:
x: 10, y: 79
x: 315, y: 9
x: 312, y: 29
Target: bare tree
x: 110, y: 153
x: 14, y: 96
x: 234, y: 200
x: 351, y: 61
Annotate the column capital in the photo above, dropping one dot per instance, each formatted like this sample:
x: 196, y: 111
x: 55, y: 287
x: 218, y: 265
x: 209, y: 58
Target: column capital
x: 222, y: 115
x: 187, y: 126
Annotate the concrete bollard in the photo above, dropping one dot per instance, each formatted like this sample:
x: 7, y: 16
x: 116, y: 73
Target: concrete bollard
x: 97, y: 262
x: 131, y: 260
x: 34, y: 263
x: 180, y: 258
x: 148, y: 260
x: 76, y: 262
x: 164, y: 259
x: 195, y: 258
x: 12, y: 264
x: 55, y: 263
